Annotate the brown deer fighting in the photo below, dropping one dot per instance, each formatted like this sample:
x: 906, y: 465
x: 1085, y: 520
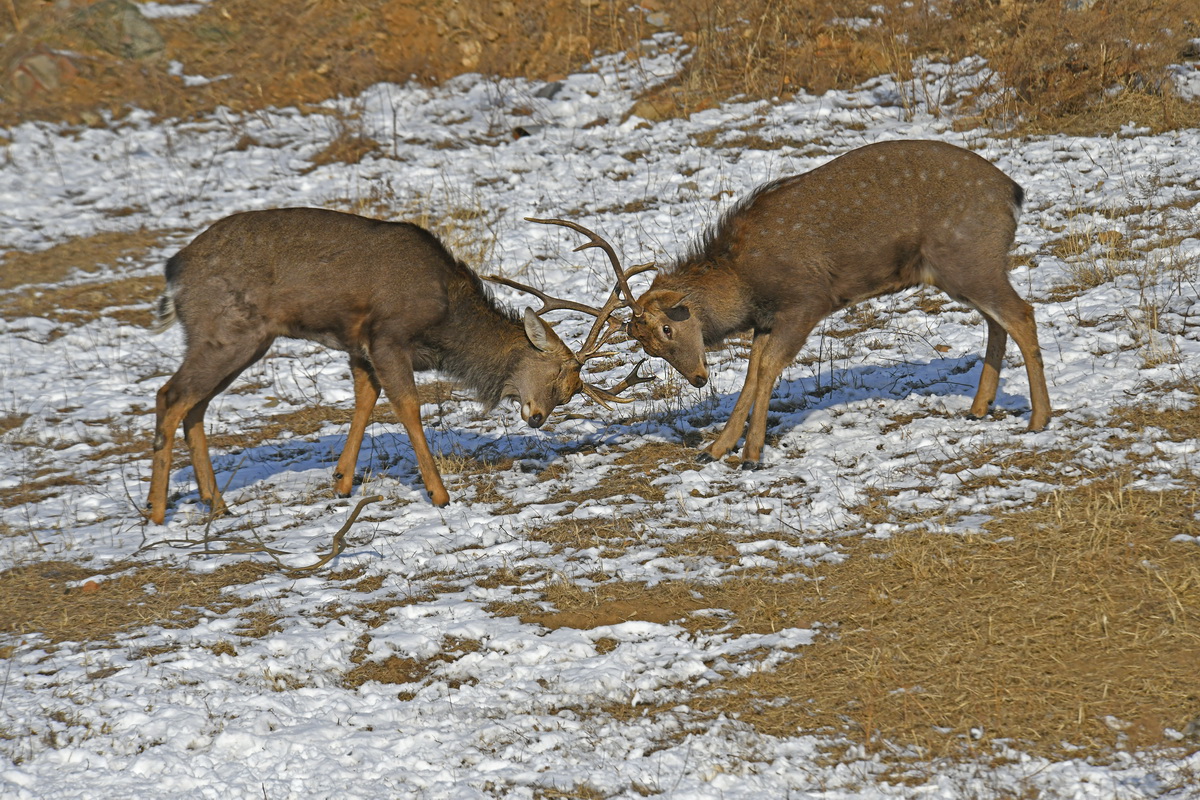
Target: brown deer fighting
x: 388, y: 293
x: 876, y: 220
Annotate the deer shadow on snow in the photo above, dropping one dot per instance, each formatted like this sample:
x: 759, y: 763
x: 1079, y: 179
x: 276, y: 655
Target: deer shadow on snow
x: 387, y: 450
x: 794, y: 399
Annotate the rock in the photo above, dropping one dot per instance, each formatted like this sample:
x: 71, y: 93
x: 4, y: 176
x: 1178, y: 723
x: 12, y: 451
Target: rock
x: 40, y: 72
x: 118, y: 27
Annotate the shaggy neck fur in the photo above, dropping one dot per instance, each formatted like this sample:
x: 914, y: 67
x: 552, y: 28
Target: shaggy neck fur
x: 708, y: 276
x: 480, y: 343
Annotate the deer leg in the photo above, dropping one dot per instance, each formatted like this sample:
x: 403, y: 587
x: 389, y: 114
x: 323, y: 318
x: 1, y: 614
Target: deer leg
x: 184, y: 398
x: 732, y: 431
x: 989, y: 379
x: 782, y: 348
x: 169, y: 412
x: 1015, y: 317
x: 366, y: 394
x: 393, y: 367
x: 206, y: 479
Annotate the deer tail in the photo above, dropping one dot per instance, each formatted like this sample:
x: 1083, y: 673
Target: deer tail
x: 164, y: 311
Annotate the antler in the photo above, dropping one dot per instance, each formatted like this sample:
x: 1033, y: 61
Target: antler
x: 604, y: 326
x: 548, y: 303
x: 606, y: 396
x: 595, y: 240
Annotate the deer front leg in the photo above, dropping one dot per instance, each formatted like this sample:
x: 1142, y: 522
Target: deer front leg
x: 785, y: 343
x: 366, y: 394
x: 393, y: 368
x: 732, y: 431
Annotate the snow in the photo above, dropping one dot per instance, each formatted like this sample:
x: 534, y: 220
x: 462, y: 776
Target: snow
x: 274, y: 719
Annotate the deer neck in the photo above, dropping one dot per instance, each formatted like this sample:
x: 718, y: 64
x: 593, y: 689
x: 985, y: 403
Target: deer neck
x: 716, y: 294
x: 480, y: 344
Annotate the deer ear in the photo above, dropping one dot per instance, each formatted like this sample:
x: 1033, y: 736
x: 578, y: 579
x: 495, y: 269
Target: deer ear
x: 678, y: 313
x: 540, y: 334
x: 670, y: 303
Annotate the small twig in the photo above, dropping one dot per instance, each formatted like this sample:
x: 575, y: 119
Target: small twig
x: 242, y: 547
x: 339, y: 538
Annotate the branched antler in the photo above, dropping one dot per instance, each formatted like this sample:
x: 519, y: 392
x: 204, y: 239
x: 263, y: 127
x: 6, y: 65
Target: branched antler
x: 548, y: 303
x: 606, y: 396
x: 595, y: 240
x: 604, y: 326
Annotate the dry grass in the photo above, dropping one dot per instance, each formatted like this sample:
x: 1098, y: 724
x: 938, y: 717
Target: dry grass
x: 35, y: 599
x: 1058, y: 70
x: 128, y: 300
x: 1073, y: 624
x: 84, y: 253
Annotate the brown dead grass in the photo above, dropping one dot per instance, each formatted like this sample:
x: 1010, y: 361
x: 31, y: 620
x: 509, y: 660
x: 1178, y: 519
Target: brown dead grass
x: 404, y: 670
x: 35, y: 599
x: 83, y: 254
x: 1177, y: 424
x: 1054, y: 621
x: 1057, y: 67
x: 296, y: 52
x: 126, y: 299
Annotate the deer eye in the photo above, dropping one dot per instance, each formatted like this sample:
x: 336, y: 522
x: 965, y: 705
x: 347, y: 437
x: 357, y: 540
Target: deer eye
x: 667, y: 331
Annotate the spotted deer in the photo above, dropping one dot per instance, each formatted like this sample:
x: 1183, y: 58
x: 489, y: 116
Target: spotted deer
x: 876, y: 220
x: 390, y: 294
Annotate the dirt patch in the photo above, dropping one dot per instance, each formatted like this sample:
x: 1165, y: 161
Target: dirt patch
x: 36, y: 599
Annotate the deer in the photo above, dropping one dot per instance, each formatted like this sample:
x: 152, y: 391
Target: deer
x: 877, y: 220
x: 389, y: 294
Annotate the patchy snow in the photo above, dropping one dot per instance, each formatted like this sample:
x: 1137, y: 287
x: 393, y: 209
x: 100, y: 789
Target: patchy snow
x: 197, y: 722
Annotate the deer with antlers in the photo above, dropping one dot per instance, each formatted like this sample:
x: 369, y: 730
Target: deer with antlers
x: 874, y: 221
x: 388, y: 293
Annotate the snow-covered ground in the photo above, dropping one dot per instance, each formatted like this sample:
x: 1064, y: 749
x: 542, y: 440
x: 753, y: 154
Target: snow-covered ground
x: 203, y: 722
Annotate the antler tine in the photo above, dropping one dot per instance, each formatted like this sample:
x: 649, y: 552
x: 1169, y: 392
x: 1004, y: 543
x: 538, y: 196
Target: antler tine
x: 595, y: 340
x: 612, y: 395
x: 548, y: 303
x: 595, y: 240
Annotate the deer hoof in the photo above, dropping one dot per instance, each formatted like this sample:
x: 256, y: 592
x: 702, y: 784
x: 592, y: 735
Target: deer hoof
x: 705, y: 457
x: 751, y: 466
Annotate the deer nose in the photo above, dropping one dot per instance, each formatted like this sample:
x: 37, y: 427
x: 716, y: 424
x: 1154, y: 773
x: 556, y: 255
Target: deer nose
x: 700, y: 381
x: 536, y: 420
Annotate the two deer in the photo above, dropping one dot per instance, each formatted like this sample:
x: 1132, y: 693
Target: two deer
x: 876, y: 220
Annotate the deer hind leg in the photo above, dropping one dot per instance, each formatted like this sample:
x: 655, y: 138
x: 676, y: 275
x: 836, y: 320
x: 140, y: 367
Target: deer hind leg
x: 206, y: 479
x: 394, y: 369
x: 1017, y: 318
x: 366, y: 394
x: 1006, y: 312
x: 989, y: 378
x: 732, y: 431
x: 205, y: 373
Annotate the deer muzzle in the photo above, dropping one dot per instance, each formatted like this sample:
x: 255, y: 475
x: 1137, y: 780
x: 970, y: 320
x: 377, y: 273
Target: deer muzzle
x: 535, y: 418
